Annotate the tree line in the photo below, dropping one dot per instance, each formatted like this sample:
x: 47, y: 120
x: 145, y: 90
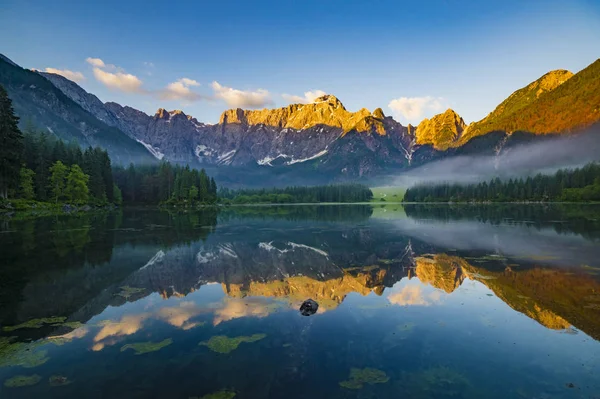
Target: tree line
x: 165, y: 183
x: 570, y: 185
x: 295, y: 194
x: 38, y: 166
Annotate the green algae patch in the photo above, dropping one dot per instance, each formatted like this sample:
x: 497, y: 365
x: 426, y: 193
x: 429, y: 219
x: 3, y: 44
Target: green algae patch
x: 225, y: 394
x: 58, y: 381
x: 224, y: 344
x: 22, y: 381
x: 37, y: 323
x: 437, y: 382
x: 21, y: 353
x: 141, y: 348
x: 74, y: 325
x: 127, y: 291
x: 360, y: 377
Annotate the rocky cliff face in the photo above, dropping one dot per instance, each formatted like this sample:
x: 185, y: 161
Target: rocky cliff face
x: 323, y: 134
x: 61, y: 108
x: 326, y: 141
x: 441, y: 131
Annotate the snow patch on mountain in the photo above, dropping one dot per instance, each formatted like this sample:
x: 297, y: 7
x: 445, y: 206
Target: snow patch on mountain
x: 154, y: 151
x: 225, y: 159
x: 266, y: 161
x: 160, y: 255
x: 317, y: 155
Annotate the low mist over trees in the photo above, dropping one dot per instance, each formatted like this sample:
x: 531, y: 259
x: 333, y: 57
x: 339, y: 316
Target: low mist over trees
x: 582, y: 184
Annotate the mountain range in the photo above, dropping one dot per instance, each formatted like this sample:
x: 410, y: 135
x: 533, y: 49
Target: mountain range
x: 317, y: 142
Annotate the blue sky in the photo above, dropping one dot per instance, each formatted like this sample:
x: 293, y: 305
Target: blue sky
x: 412, y: 59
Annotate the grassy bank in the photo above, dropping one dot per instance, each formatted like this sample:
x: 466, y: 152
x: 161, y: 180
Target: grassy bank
x: 388, y: 194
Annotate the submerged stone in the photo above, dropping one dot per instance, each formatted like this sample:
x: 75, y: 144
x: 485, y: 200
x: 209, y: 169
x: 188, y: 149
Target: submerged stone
x: 141, y: 348
x: 359, y: 377
x: 224, y: 344
x: 22, y: 381
x: 309, y: 307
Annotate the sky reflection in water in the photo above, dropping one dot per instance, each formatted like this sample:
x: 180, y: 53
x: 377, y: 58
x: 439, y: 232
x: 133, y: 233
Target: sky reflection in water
x: 413, y: 302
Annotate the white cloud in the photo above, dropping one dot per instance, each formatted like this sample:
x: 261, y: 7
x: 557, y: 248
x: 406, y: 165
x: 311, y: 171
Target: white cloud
x: 71, y: 75
x: 414, y: 295
x: 95, y: 62
x: 148, y: 64
x: 413, y: 109
x: 180, y: 90
x: 240, y: 98
x: 309, y: 97
x: 189, y: 82
x: 119, y: 80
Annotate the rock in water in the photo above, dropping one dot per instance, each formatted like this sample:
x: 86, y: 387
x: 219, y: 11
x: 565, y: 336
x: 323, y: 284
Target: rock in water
x: 309, y: 307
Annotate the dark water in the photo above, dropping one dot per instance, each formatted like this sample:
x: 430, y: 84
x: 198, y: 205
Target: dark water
x: 415, y: 302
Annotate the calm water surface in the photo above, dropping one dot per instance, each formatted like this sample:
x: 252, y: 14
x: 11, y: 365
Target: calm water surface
x: 414, y: 302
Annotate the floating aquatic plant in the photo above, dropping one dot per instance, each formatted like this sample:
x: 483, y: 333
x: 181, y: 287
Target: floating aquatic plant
x: 22, y: 381
x: 21, y: 353
x: 225, y: 394
x: 58, y: 341
x: 37, y: 323
x: 73, y: 324
x: 58, y: 381
x: 224, y: 344
x: 437, y: 382
x: 359, y: 377
x: 141, y: 348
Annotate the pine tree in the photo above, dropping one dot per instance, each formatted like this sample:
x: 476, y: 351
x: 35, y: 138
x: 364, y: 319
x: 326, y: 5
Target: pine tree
x: 26, y: 186
x: 11, y: 145
x: 41, y: 167
x: 193, y: 193
x: 117, y: 196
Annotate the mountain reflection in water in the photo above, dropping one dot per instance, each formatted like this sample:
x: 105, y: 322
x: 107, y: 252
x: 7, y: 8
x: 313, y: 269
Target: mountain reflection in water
x: 145, y: 303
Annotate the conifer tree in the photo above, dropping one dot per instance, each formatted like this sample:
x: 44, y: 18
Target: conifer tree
x: 26, y: 185
x: 11, y: 145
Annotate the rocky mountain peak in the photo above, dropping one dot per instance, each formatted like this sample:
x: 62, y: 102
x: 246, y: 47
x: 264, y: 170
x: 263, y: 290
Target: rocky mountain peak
x: 162, y: 113
x: 442, y: 130
x: 503, y: 116
x: 378, y: 113
x: 326, y: 111
x: 7, y: 60
x: 329, y: 99
x: 549, y: 81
